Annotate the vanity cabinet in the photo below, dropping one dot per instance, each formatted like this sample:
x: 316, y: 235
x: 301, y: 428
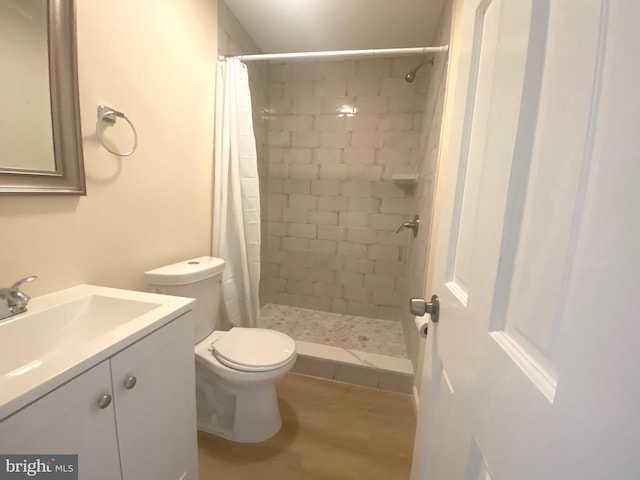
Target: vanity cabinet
x: 144, y: 428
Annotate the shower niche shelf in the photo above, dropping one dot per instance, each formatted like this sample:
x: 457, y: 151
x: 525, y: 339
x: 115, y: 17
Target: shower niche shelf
x: 405, y: 178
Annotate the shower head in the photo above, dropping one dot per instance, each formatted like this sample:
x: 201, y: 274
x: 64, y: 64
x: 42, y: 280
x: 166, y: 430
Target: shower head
x: 411, y: 76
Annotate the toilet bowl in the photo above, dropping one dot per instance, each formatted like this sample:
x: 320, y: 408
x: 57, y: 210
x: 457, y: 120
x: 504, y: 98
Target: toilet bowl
x: 236, y: 370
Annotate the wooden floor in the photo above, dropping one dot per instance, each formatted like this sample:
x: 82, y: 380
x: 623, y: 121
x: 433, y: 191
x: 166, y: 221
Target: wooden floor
x: 330, y: 431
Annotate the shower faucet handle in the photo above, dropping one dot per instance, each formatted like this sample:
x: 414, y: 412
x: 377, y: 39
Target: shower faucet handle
x: 413, y: 225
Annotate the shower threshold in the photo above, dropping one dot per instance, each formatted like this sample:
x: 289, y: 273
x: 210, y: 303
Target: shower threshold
x: 347, y: 348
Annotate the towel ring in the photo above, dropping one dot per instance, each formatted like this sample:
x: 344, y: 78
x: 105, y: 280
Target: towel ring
x: 109, y: 115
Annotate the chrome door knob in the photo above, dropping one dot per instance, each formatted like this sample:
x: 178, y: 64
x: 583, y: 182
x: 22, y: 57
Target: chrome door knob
x: 419, y: 307
x: 130, y: 382
x: 104, y: 401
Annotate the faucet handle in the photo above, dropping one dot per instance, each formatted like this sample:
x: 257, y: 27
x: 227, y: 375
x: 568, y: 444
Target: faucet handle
x: 16, y: 286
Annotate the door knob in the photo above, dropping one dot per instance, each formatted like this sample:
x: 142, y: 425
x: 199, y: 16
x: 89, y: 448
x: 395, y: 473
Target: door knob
x: 419, y: 306
x: 104, y: 401
x: 130, y: 382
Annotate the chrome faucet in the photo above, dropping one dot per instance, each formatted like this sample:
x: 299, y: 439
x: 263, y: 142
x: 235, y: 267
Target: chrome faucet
x: 12, y: 300
x: 413, y: 225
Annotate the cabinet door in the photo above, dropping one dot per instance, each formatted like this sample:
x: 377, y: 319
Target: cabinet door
x: 156, y: 418
x: 69, y: 420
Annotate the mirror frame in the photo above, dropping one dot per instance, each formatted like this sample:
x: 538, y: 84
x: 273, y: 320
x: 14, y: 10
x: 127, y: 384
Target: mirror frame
x: 68, y: 177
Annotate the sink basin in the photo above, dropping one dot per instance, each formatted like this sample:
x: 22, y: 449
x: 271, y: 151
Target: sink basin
x: 65, y: 332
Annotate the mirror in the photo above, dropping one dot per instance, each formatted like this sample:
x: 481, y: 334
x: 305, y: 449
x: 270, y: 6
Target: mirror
x: 40, y: 137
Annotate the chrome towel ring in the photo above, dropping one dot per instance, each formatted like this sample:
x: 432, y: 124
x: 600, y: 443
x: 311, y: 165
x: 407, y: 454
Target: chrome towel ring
x: 110, y: 115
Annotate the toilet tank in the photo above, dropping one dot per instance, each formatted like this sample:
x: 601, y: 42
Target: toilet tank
x: 198, y: 278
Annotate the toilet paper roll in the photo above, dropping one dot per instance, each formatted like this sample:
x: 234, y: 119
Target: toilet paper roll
x: 422, y: 324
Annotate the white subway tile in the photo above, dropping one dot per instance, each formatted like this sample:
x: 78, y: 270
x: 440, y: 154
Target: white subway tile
x: 317, y: 303
x: 353, y: 219
x: 379, y: 282
x: 323, y: 218
x: 332, y: 203
x: 297, y: 123
x: 294, y: 272
x: 339, y: 305
x: 325, y: 187
x: 362, y: 309
x: 276, y: 91
x: 362, y: 235
x: 322, y: 276
x: 296, y: 186
x: 359, y: 294
x: 273, y: 243
x: 356, y: 188
x: 278, y: 170
x: 400, y: 206
x: 407, y: 103
x: 290, y: 244
x: 395, y: 87
x: 392, y: 238
x: 372, y: 104
x: 329, y: 123
x: 344, y: 69
x: 330, y: 290
x: 369, y: 173
x: 274, y: 214
x: 333, y: 105
x: 275, y: 123
x: 350, y: 249
x: 332, y: 87
x: 359, y: 265
x: 385, y: 221
x: 359, y: 155
x: 305, y: 230
x: 300, y: 287
x: 389, y: 313
x: 296, y: 155
x: 383, y: 252
x: 278, y: 229
x: 331, y: 232
x: 308, y: 172
x: 327, y: 155
x: 279, y: 139
x: 389, y: 267
x: 297, y: 89
x: 362, y: 122
x: 388, y: 190
x: 374, y: 68
x: 350, y: 278
x: 393, y: 156
x: 325, y: 247
x: 307, y: 71
x: 328, y: 262
x: 275, y: 154
x: 368, y: 205
x: 334, y: 172
x: 306, y: 104
x: 388, y: 298
x: 363, y: 86
x: 396, y: 122
x: 277, y: 200
x: 366, y: 139
x: 281, y: 72
x: 303, y: 202
x: 410, y: 139
x: 335, y: 139
x: 283, y: 106
x: 305, y: 139
x: 295, y: 215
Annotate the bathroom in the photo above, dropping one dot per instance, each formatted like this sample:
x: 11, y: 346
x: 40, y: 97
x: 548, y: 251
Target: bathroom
x: 155, y: 207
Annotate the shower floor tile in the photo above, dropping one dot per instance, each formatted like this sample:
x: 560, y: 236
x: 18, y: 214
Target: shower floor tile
x: 350, y: 332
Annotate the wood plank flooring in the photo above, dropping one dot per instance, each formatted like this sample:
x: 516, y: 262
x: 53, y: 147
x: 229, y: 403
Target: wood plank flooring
x: 330, y: 431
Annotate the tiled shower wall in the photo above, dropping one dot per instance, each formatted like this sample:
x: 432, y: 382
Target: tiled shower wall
x: 338, y: 132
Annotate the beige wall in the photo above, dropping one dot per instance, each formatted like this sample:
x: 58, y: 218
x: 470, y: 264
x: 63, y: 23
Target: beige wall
x: 338, y: 131
x: 154, y: 60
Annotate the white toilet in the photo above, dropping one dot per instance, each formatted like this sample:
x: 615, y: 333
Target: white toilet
x: 236, y: 370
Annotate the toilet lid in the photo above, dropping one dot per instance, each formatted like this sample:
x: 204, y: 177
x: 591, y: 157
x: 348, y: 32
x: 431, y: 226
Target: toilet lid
x: 254, y: 349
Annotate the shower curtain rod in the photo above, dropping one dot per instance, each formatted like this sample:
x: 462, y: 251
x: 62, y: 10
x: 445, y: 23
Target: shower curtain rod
x: 380, y: 52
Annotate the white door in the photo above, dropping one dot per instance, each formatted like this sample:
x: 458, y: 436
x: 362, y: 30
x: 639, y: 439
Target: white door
x: 534, y: 366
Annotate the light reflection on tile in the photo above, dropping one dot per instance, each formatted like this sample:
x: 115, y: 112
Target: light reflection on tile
x: 383, y: 337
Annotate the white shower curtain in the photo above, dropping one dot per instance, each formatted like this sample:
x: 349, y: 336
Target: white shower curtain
x: 236, y: 197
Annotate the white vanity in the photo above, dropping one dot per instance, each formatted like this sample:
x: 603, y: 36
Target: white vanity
x: 106, y: 374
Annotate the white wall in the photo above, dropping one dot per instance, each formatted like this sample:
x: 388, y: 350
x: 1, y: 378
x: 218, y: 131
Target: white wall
x: 154, y: 60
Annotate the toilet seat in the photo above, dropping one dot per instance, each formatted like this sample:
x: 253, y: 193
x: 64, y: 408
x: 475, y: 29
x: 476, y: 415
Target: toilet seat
x: 253, y: 349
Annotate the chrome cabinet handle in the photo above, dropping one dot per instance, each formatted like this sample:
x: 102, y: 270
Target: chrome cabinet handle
x: 130, y: 382
x: 104, y: 401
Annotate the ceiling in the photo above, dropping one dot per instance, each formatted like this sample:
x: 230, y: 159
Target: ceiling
x: 280, y: 26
